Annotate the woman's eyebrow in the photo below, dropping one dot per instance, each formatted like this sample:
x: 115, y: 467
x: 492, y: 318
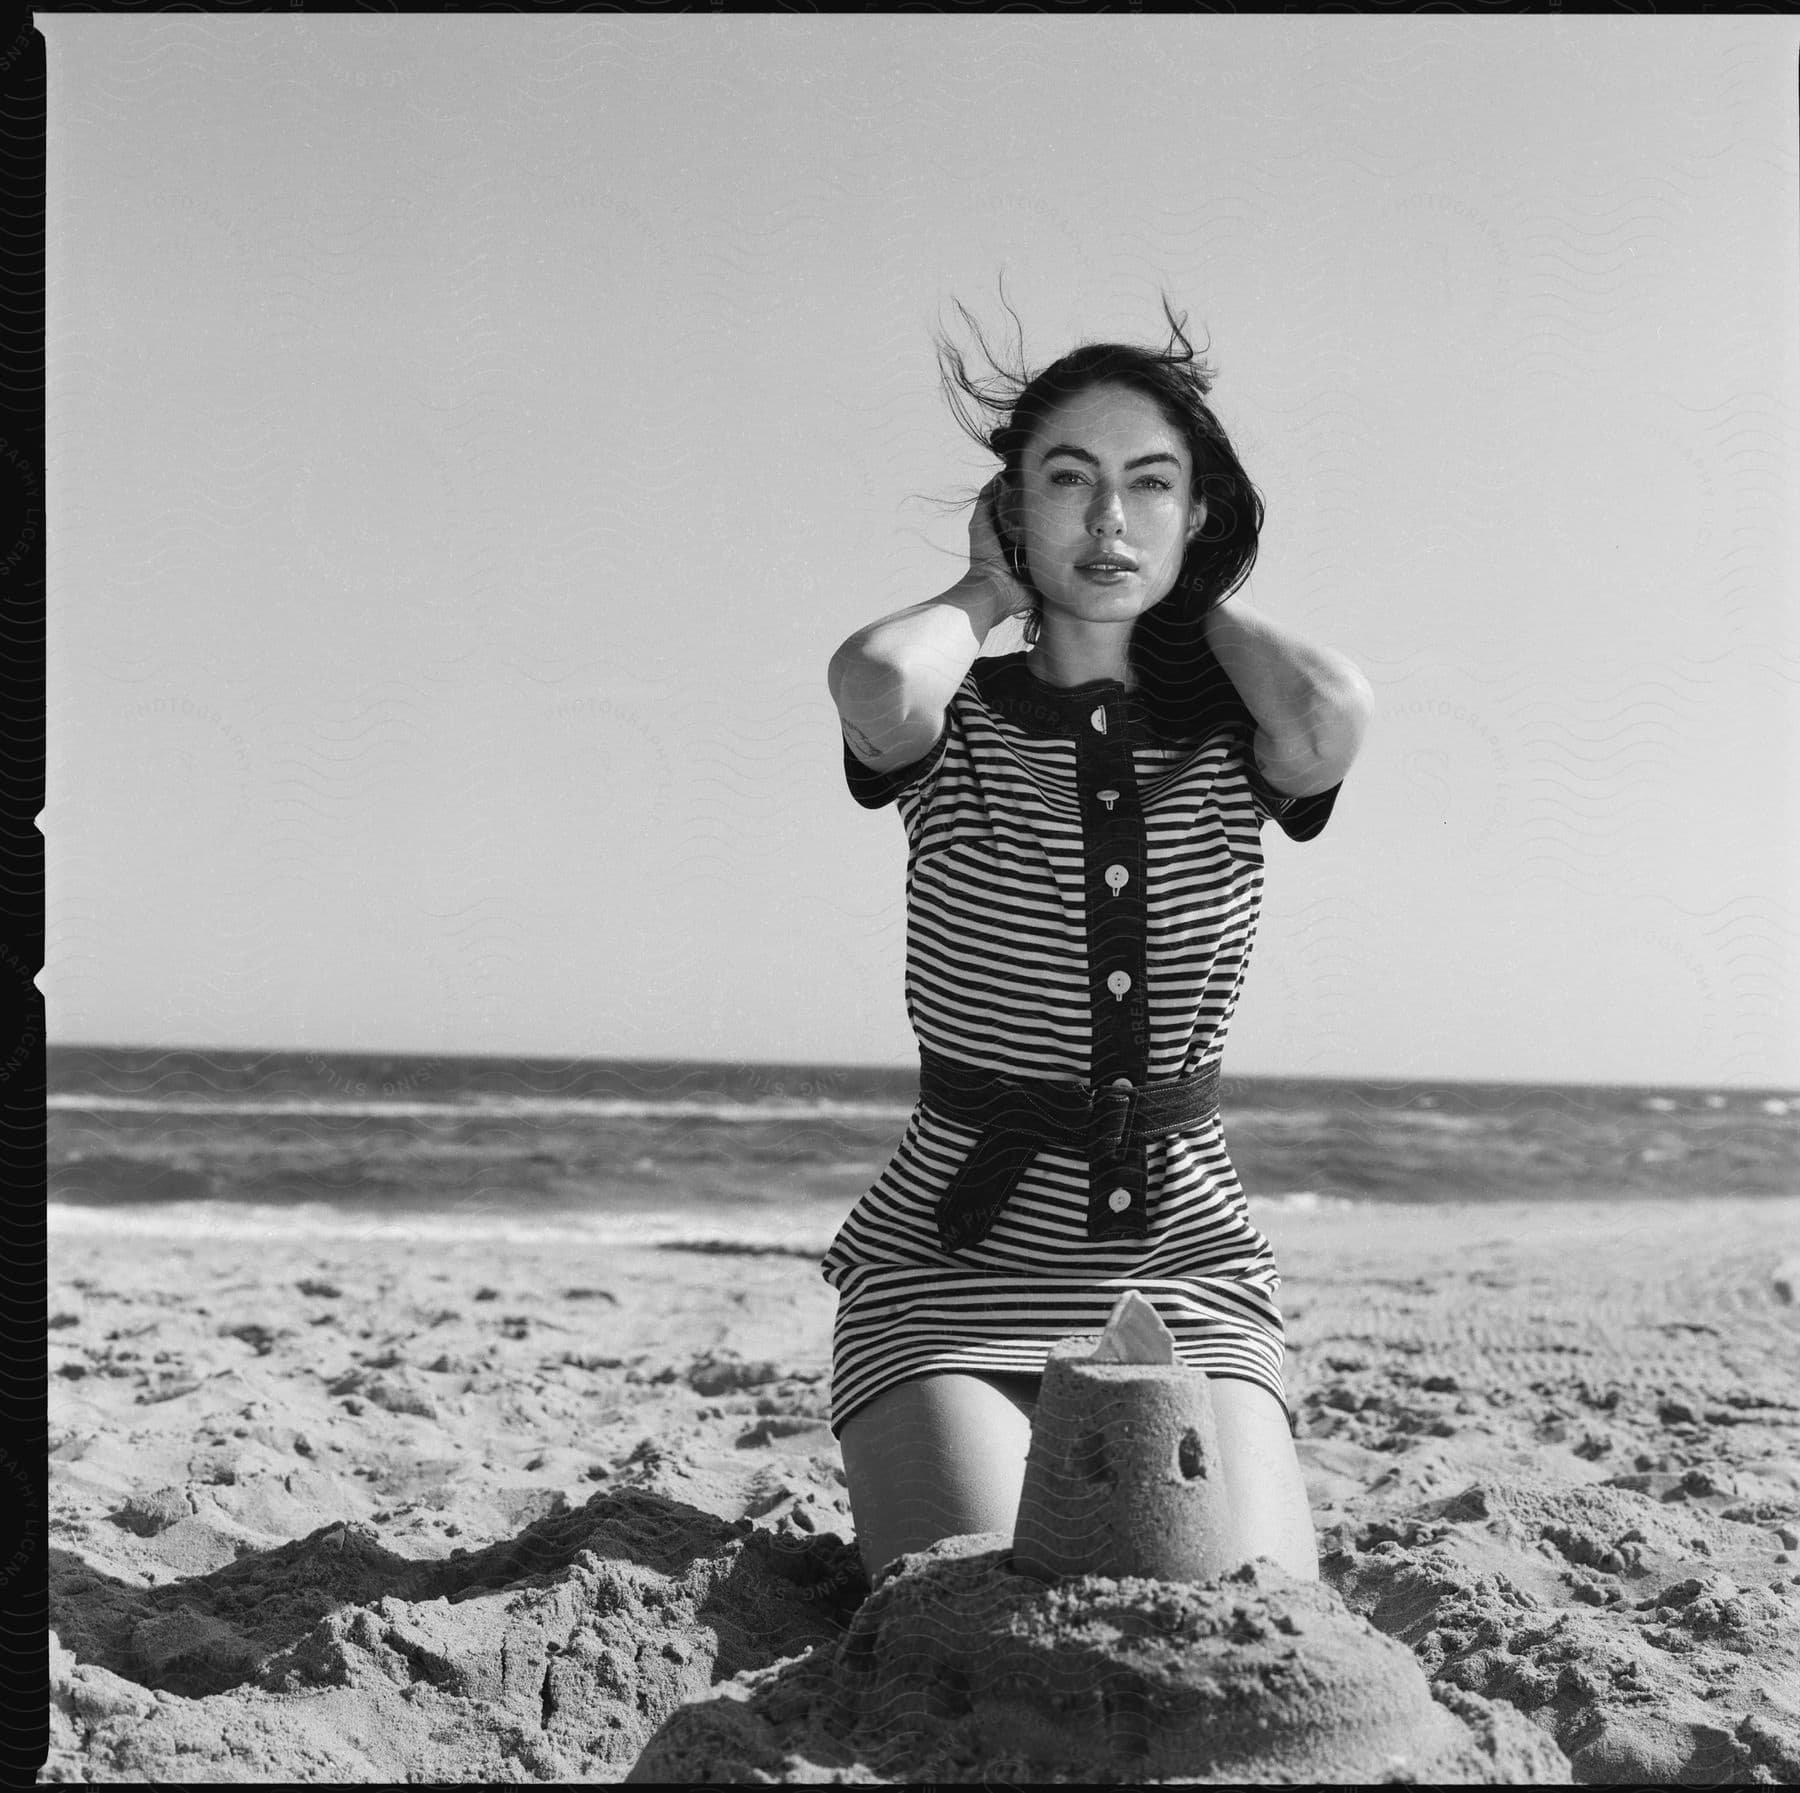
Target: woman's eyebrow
x: 1081, y: 454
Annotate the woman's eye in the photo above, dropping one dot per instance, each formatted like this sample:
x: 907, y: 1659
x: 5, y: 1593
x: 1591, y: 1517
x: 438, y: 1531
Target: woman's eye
x: 1066, y: 476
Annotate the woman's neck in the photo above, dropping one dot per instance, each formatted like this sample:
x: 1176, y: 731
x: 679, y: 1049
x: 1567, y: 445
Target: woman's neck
x: 1070, y: 651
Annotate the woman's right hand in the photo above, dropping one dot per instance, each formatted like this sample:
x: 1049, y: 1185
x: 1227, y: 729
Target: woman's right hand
x: 987, y: 554
x: 894, y: 679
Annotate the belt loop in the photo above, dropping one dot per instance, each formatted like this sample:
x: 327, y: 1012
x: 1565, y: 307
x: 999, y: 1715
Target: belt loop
x: 1112, y: 1110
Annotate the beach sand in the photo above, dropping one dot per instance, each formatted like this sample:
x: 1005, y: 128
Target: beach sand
x: 387, y: 1509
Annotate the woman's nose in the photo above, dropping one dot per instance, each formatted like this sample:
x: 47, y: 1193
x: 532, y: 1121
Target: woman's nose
x: 1106, y: 511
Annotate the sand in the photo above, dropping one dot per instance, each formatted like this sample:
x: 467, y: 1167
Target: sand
x: 379, y: 1510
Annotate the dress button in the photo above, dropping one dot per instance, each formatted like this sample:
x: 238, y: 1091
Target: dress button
x: 1118, y: 982
x: 1115, y: 878
x: 1121, y: 1083
x: 1098, y: 718
x: 1109, y: 798
x: 1119, y: 1200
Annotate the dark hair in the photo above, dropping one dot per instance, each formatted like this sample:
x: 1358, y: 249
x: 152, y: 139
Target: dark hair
x: 1001, y: 410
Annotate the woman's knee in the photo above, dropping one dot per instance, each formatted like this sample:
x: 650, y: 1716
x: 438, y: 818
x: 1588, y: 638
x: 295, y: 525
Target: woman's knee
x: 1264, y: 1490
x: 933, y: 1457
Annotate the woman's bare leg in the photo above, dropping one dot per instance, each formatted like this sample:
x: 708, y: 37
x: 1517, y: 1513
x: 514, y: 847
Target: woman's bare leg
x: 945, y: 1454
x: 1264, y: 1493
x: 935, y: 1457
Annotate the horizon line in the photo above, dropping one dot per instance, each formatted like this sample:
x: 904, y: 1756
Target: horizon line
x: 1712, y: 1086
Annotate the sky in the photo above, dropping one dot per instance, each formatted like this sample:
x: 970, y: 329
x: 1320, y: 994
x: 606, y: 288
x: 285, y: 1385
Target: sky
x: 470, y: 437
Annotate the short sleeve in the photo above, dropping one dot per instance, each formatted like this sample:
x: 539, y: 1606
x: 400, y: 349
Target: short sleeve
x: 1300, y: 817
x: 875, y: 790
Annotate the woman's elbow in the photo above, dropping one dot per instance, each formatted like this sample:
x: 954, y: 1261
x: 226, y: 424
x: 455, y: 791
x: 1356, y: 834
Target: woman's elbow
x: 1347, y: 716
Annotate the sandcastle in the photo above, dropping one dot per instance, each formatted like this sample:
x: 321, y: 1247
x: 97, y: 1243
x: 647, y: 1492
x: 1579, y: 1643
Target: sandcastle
x: 1111, y: 1640
x: 1123, y: 1472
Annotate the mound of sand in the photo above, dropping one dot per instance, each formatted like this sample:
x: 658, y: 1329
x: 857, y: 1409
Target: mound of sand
x: 552, y: 1655
x: 959, y: 1669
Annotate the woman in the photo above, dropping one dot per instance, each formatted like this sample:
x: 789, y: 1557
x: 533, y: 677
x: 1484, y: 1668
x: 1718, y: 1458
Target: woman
x: 1083, y: 884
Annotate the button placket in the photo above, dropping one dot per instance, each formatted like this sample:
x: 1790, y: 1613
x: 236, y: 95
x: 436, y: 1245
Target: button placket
x: 1114, y: 854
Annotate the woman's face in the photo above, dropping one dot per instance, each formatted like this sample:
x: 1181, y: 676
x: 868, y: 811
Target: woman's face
x: 1104, y: 505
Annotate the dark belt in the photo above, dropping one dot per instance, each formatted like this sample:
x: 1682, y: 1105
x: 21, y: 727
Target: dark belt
x: 1017, y: 1117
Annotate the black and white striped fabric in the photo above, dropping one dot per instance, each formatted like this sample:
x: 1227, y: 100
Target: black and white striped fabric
x: 1082, y: 898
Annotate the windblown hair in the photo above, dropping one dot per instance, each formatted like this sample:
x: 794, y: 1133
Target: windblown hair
x: 1001, y: 409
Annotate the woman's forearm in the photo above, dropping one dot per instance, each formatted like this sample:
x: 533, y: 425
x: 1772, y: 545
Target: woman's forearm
x: 1300, y: 693
x: 910, y: 663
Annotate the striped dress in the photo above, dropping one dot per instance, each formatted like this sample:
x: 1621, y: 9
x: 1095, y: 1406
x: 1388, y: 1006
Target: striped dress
x: 1059, y: 923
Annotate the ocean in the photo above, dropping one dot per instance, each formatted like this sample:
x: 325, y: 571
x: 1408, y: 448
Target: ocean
x: 757, y: 1157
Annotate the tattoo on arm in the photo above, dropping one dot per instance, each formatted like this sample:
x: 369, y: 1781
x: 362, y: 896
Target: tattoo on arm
x: 857, y: 738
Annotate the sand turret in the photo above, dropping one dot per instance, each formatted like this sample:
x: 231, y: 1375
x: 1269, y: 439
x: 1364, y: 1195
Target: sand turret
x: 1123, y: 1473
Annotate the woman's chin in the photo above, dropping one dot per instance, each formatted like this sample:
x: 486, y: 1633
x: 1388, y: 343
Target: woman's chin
x: 1124, y: 602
